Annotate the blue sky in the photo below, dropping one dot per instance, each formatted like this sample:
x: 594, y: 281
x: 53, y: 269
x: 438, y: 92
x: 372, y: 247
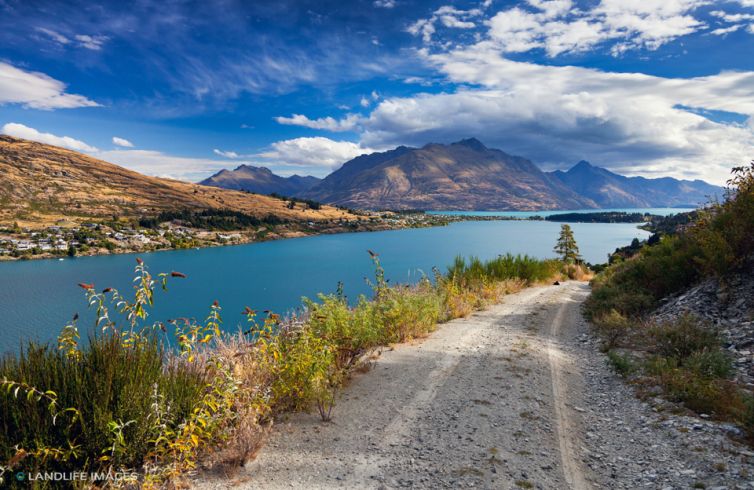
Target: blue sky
x: 182, y: 89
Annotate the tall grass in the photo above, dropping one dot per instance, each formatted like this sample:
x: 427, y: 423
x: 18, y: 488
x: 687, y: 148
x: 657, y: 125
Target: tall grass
x: 127, y: 400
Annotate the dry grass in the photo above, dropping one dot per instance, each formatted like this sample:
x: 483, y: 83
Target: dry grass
x: 44, y: 184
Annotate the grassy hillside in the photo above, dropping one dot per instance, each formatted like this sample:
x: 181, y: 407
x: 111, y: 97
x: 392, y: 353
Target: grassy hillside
x: 682, y: 358
x: 42, y: 184
x: 720, y: 240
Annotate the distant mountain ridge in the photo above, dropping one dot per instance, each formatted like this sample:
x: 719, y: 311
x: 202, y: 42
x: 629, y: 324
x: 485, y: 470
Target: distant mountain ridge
x: 464, y: 175
x: 610, y: 190
x: 467, y: 175
x: 260, y: 180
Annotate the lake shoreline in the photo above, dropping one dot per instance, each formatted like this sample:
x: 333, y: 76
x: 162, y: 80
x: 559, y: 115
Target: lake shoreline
x: 245, y: 237
x: 375, y: 221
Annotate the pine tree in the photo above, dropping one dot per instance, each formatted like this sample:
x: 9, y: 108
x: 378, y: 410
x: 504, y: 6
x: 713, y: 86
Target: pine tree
x: 566, y: 246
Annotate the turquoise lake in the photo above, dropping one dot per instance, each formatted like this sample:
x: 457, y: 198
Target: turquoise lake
x: 38, y: 297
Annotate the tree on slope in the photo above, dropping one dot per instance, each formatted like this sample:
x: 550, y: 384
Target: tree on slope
x: 566, y: 246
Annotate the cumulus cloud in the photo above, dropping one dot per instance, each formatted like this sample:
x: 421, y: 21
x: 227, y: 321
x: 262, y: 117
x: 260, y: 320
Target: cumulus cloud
x: 385, y: 4
x: 122, y: 142
x: 634, y: 123
x: 349, y: 123
x: 25, y: 132
x: 318, y: 153
x: 226, y: 154
x: 558, y: 26
x: 36, y: 90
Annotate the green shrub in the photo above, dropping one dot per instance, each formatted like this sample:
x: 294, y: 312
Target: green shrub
x: 682, y: 337
x: 699, y: 393
x: 612, y: 327
x: 108, y: 383
x: 621, y: 364
x: 710, y: 363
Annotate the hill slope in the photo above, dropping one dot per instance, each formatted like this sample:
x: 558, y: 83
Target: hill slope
x: 41, y: 184
x: 260, y: 180
x: 463, y: 175
x: 610, y: 190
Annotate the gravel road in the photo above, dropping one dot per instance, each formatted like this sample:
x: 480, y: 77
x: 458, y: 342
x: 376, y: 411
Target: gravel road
x: 516, y: 396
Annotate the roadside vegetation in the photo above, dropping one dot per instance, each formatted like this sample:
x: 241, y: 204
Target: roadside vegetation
x: 155, y: 400
x: 682, y: 359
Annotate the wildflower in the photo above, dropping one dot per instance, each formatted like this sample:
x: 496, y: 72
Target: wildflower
x: 139, y: 261
x: 178, y: 274
x: 84, y: 285
x: 106, y: 290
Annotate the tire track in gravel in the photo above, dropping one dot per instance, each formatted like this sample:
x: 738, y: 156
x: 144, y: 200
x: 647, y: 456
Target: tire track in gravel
x: 483, y: 402
x: 566, y: 432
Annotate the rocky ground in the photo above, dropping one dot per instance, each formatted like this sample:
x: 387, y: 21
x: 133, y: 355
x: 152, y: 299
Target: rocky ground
x: 727, y: 304
x: 518, y: 396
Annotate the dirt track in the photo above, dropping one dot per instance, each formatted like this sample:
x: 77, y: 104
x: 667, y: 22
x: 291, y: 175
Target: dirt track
x: 481, y: 402
x: 517, y: 396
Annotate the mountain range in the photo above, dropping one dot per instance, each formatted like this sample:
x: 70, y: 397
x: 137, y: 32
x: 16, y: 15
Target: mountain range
x: 260, y: 180
x: 41, y: 184
x: 467, y: 175
x: 610, y: 190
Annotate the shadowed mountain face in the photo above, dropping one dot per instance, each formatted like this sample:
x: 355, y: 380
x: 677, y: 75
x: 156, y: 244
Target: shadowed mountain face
x: 465, y: 175
x: 610, y: 190
x: 260, y: 180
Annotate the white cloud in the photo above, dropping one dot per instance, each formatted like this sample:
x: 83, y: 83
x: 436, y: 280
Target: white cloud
x: 630, y: 122
x: 557, y: 26
x: 365, y: 102
x: 455, y: 22
x: 91, y: 42
x: 448, y: 16
x: 36, y: 90
x: 348, y: 123
x: 156, y: 163
x: 226, y: 154
x: 25, y: 132
x: 122, y: 142
x: 313, y: 152
x: 722, y: 31
x: 54, y: 35
x: 732, y: 18
x: 86, y: 41
x: 386, y: 4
